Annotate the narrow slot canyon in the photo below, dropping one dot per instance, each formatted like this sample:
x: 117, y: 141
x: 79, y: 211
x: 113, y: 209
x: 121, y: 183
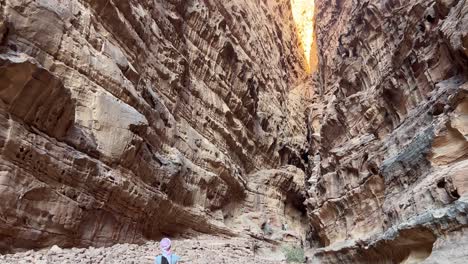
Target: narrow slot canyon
x: 303, y: 12
x: 266, y: 131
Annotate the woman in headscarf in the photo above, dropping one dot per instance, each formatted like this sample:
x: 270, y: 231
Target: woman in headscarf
x: 167, y: 257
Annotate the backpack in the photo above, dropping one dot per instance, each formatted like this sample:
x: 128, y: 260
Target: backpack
x: 164, y: 260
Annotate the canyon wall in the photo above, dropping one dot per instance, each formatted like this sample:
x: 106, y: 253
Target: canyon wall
x: 389, y: 152
x: 123, y: 121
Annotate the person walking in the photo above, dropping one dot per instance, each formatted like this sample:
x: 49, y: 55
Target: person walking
x: 166, y: 257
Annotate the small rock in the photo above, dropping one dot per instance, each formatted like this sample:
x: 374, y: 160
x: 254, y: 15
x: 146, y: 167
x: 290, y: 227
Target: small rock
x: 55, y: 250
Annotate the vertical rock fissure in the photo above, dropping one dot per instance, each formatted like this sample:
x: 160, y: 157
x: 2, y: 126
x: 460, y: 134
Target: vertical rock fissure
x: 304, y: 17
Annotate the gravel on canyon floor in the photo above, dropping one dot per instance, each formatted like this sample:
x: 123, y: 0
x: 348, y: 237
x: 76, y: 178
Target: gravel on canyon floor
x: 203, y: 249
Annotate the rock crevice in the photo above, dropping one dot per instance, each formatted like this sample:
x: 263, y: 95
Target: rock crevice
x: 124, y: 121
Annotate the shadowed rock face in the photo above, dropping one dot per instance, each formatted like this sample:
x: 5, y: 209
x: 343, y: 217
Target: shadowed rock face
x: 122, y: 121
x: 388, y: 177
x: 127, y: 120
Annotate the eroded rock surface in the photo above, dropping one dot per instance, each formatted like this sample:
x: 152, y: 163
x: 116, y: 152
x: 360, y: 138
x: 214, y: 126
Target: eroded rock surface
x: 390, y: 157
x: 123, y: 121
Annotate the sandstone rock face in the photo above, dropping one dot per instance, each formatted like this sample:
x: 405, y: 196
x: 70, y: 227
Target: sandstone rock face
x: 122, y: 121
x: 126, y: 120
x: 390, y: 158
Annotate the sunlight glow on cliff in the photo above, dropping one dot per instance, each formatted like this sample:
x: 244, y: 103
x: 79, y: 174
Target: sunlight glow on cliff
x: 303, y: 13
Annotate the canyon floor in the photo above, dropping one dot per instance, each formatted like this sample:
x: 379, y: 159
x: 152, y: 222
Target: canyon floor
x: 203, y: 249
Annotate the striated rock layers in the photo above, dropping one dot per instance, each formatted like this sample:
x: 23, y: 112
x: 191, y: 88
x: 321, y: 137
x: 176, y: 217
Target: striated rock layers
x: 122, y: 121
x: 389, y: 152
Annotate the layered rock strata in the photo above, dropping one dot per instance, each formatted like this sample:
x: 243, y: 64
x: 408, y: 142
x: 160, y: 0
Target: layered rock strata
x: 122, y: 121
x: 127, y: 120
x: 389, y: 170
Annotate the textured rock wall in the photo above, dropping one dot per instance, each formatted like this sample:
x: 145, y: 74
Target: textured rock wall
x: 122, y: 121
x: 126, y: 120
x: 389, y: 169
